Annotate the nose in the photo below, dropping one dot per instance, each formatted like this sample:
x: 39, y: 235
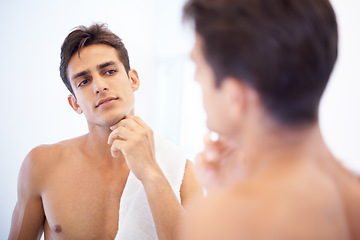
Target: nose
x: 99, y: 85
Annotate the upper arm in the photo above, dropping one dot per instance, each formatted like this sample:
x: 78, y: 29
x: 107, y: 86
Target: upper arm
x: 28, y: 216
x: 190, y: 186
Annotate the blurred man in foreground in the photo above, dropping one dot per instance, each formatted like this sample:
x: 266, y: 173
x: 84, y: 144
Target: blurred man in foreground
x: 263, y: 66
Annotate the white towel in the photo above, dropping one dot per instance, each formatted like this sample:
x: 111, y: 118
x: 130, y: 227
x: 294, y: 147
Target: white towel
x: 135, y: 218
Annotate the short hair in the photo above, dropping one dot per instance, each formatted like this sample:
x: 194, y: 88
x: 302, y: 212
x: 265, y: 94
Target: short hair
x: 284, y: 49
x: 83, y: 36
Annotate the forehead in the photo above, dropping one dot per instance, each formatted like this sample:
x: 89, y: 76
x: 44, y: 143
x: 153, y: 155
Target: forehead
x: 91, y: 56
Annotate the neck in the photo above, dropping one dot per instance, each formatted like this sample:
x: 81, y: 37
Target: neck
x: 97, y: 139
x: 270, y: 146
x: 97, y: 143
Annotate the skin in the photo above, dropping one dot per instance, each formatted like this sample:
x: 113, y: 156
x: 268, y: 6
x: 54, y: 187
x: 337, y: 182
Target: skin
x: 220, y: 164
x: 285, y: 183
x: 72, y: 189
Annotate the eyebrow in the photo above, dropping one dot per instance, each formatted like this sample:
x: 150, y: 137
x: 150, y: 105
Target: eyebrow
x: 99, y: 67
x: 80, y: 74
x: 104, y: 65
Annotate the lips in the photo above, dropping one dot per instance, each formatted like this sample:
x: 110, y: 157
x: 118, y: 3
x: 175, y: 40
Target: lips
x: 105, y: 100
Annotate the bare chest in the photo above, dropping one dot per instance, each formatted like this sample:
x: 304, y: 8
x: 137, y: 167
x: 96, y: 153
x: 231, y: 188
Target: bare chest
x: 82, y: 203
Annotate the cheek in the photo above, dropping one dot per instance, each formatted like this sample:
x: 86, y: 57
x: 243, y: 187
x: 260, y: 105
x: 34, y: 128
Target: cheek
x: 131, y: 99
x: 127, y: 95
x: 205, y: 96
x: 128, y: 92
x: 216, y: 111
x: 210, y: 103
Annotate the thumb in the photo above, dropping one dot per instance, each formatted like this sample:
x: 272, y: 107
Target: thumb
x: 114, y: 126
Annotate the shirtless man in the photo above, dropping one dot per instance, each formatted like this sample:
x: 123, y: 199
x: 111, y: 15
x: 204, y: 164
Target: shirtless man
x: 263, y: 66
x: 72, y: 189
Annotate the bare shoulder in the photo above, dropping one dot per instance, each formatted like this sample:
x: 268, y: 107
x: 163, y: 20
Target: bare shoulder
x: 52, y: 152
x: 272, y: 205
x: 43, y: 155
x: 35, y: 165
x: 348, y: 185
x: 347, y: 181
x: 43, y: 158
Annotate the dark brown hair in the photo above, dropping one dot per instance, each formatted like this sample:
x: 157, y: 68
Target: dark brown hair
x: 83, y: 36
x: 284, y: 49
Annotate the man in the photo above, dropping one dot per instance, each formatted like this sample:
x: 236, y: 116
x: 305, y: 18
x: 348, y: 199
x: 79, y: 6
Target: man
x: 263, y: 66
x: 73, y: 189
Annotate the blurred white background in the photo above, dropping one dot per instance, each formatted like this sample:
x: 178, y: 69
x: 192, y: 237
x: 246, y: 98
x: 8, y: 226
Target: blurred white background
x: 34, y: 108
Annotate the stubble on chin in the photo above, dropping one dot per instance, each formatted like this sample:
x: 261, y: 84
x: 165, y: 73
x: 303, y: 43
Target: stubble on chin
x: 116, y: 118
x: 111, y: 122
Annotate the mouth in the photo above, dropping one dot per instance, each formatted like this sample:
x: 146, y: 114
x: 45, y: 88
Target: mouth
x: 105, y: 100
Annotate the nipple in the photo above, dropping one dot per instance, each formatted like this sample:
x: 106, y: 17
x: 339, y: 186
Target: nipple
x: 57, y: 228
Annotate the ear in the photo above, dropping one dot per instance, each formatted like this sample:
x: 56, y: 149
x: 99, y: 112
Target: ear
x: 74, y: 104
x: 134, y: 80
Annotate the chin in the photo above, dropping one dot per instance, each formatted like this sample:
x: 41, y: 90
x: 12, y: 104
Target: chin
x: 217, y: 127
x: 211, y: 126
x: 112, y: 121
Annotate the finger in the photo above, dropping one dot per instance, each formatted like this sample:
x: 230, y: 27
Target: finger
x: 211, y: 155
x: 115, y: 134
x: 116, y: 125
x: 207, y: 173
x: 213, y: 149
x: 207, y: 158
x: 116, y: 148
x: 119, y: 133
x: 199, y: 159
x: 207, y: 140
x: 128, y: 123
x: 139, y: 121
x: 214, y: 136
x: 211, y: 138
x: 142, y: 130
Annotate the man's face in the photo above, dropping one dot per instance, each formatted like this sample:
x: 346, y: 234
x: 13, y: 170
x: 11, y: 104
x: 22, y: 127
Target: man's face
x: 103, y: 90
x: 213, y: 97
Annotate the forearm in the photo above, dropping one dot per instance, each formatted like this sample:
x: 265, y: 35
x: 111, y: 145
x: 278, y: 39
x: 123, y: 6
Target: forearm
x: 135, y: 140
x: 165, y: 208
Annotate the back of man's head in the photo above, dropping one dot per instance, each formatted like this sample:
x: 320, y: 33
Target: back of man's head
x: 284, y: 49
x: 83, y: 36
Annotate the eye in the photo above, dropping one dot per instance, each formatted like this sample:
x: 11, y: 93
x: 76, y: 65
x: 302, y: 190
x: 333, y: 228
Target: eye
x: 83, y: 82
x: 110, y: 72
